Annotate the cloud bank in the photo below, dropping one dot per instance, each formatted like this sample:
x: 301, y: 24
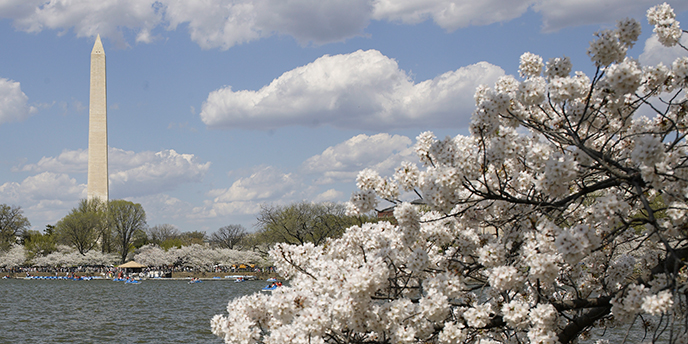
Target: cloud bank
x: 131, y: 174
x: 146, y: 173
x: 226, y: 23
x: 151, y: 179
x: 361, y: 90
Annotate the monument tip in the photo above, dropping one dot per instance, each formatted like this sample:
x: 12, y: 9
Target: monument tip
x: 98, y: 46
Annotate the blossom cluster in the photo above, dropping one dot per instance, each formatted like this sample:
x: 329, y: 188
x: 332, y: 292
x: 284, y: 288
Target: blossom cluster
x: 195, y: 256
x: 563, y: 210
x: 667, y: 27
x: 14, y: 257
x: 63, y: 256
x: 192, y: 256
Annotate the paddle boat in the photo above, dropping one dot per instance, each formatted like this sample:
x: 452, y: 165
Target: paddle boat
x: 271, y: 287
x: 195, y: 280
x: 133, y: 281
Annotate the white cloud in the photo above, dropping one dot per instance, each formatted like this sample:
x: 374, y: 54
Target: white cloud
x: 341, y: 163
x: 654, y: 52
x: 558, y: 14
x: 265, y: 183
x: 137, y: 174
x: 211, y: 24
x: 13, y: 102
x: 89, y: 18
x: 43, y: 186
x: 69, y: 161
x: 450, y: 14
x: 45, y: 198
x: 18, y: 8
x: 225, y: 23
x: 222, y: 209
x: 131, y: 174
x: 244, y: 196
x: 163, y: 208
x: 330, y: 195
x: 361, y: 90
x: 314, y: 20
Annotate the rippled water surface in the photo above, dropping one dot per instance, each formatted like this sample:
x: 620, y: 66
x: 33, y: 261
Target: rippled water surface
x: 103, y: 311
x: 155, y: 311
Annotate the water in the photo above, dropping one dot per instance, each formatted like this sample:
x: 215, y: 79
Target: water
x: 155, y: 311
x: 103, y: 311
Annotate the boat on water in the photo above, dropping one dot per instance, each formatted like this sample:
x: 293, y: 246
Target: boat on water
x: 195, y: 280
x: 132, y: 282
x: 269, y: 288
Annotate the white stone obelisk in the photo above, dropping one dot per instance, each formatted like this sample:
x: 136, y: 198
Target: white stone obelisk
x: 97, y: 127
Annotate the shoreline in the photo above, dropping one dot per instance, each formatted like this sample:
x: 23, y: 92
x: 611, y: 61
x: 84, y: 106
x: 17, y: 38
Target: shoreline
x: 176, y: 276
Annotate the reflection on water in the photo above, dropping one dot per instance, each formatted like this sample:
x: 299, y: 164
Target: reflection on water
x: 102, y: 311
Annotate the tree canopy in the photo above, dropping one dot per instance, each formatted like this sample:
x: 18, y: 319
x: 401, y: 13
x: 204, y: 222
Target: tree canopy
x: 125, y: 219
x: 228, y: 236
x: 160, y: 233
x: 302, y: 222
x: 84, y: 226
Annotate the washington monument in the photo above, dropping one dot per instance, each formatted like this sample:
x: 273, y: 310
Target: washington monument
x: 97, y: 127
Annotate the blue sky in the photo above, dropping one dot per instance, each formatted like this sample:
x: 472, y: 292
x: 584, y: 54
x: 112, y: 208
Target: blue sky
x: 216, y: 107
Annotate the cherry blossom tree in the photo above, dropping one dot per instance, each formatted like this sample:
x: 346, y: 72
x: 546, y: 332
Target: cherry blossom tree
x: 14, y: 257
x: 563, y: 211
x: 66, y: 256
x: 195, y: 256
x: 153, y: 255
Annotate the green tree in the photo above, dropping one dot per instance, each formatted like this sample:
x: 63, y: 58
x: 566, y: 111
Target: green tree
x: 13, y: 224
x: 303, y: 222
x: 125, y: 219
x: 97, y: 206
x: 140, y: 238
x: 37, y: 243
x: 49, y: 229
x: 171, y: 242
x: 84, y: 226
x: 190, y: 238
